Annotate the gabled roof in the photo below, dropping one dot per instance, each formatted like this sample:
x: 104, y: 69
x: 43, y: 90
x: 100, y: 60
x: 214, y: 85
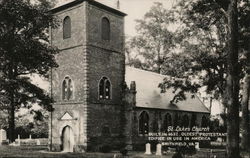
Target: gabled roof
x: 149, y: 95
x: 93, y: 2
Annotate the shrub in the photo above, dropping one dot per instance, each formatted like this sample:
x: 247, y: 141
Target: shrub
x: 105, y: 148
x: 124, y: 152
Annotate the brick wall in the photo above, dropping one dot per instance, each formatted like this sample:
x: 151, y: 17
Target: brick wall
x: 86, y: 58
x: 157, y: 115
x: 95, y: 15
x: 106, y: 58
x: 72, y: 61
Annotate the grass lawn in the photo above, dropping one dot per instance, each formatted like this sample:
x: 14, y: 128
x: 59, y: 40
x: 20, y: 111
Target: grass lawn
x: 38, y: 152
x: 35, y: 152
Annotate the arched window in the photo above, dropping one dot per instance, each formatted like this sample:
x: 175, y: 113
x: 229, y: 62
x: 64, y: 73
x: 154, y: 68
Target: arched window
x: 104, y: 88
x: 185, y: 121
x: 66, y: 27
x: 167, y: 122
x: 67, y: 89
x: 204, y: 121
x: 143, y: 123
x: 105, y: 29
x: 193, y: 120
x: 176, y: 120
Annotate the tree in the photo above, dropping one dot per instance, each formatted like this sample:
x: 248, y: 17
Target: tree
x: 154, y: 40
x: 244, y: 43
x: 33, y: 122
x: 207, y: 55
x: 245, y: 113
x: 24, y: 49
x: 232, y: 83
x: 214, y: 57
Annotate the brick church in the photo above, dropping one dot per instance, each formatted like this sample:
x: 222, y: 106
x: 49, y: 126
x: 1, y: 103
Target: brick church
x: 93, y: 105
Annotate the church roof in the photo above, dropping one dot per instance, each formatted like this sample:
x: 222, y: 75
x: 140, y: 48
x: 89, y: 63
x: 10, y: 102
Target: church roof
x: 93, y: 2
x: 149, y: 94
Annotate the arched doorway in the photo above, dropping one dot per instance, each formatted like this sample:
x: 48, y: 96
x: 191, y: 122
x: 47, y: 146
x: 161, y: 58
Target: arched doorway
x: 67, y: 139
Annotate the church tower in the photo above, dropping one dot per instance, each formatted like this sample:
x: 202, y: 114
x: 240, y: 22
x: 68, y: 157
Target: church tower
x: 88, y: 84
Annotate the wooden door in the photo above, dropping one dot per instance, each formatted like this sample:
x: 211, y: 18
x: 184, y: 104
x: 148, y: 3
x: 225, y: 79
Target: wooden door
x: 68, y: 139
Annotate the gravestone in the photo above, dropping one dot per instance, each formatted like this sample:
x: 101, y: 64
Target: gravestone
x: 197, y: 146
x: 18, y: 140
x: 148, y: 149
x: 158, y: 149
x: 3, y: 136
x: 38, y: 142
x: 118, y: 155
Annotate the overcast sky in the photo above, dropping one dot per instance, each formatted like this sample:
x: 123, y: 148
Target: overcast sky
x: 134, y: 8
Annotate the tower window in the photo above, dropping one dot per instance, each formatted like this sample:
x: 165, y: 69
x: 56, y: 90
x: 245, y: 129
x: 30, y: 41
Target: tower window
x: 143, y: 123
x: 105, y: 29
x: 67, y: 89
x: 66, y: 27
x: 104, y: 88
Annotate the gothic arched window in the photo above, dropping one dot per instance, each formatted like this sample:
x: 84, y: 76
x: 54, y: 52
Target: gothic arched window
x: 67, y: 89
x: 204, y: 121
x: 66, y: 27
x: 193, y: 120
x: 105, y: 29
x: 143, y: 123
x: 167, y: 122
x: 176, y: 120
x: 104, y: 88
x: 185, y: 121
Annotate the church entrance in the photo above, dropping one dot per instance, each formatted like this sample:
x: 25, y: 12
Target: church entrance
x: 67, y: 139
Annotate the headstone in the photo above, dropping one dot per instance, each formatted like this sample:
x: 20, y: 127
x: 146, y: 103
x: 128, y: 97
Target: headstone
x: 158, y: 149
x: 38, y: 142
x: 3, y: 136
x: 148, y: 149
x: 219, y: 140
x: 118, y: 155
x: 30, y: 137
x: 197, y: 146
x: 18, y: 140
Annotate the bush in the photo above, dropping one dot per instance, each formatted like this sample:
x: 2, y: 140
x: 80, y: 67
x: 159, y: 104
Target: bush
x: 177, y: 155
x: 105, y: 148
x: 188, y: 150
x: 124, y: 152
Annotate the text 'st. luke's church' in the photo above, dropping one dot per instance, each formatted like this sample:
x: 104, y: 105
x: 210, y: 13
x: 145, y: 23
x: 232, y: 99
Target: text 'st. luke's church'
x: 93, y: 107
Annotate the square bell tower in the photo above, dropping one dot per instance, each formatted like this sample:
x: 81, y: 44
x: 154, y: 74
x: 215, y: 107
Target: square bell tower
x: 88, y: 84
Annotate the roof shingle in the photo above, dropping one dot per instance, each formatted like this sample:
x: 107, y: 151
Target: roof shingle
x: 149, y: 94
